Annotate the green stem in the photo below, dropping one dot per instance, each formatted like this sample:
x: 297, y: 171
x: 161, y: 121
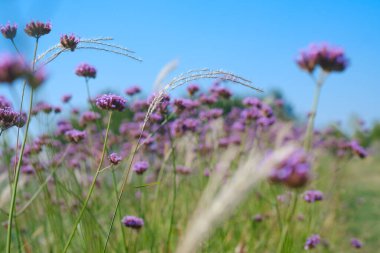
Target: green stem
x: 310, y: 125
x: 122, y: 188
x: 19, y: 162
x: 120, y: 216
x: 14, y: 45
x: 16, y: 179
x: 174, y: 192
x: 74, y: 229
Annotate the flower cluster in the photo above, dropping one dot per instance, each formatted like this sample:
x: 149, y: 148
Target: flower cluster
x: 133, y: 90
x: 313, y: 196
x: 37, y: 29
x: 69, y: 41
x: 86, y: 70
x: 329, y: 58
x: 110, y: 102
x: 140, y: 167
x: 10, y: 118
x: 356, y: 243
x: 133, y: 222
x: 75, y: 136
x: 8, y: 31
x: 312, y: 242
x: 293, y: 171
x: 114, y: 158
x: 12, y: 68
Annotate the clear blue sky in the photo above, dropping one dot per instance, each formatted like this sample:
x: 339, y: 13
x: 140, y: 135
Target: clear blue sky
x: 256, y: 39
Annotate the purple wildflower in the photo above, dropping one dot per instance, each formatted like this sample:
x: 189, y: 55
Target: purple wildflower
x: 88, y: 117
x: 252, y: 101
x: 258, y: 218
x: 329, y: 58
x: 75, y: 135
x: 35, y: 79
x: 66, y: 98
x: 133, y: 222
x: 309, y: 58
x: 356, y: 243
x: 133, y: 90
x: 312, y: 242
x: 332, y: 59
x: 358, y: 150
x: 37, y: 29
x: 183, y: 170
x: 8, y: 31
x: 12, y: 68
x: 192, y: 89
x: 140, y: 167
x: 86, y: 71
x: 313, y: 196
x: 114, y: 158
x: 294, y: 171
x: 27, y: 169
x: 110, y: 102
x: 69, y: 41
x: 10, y: 118
x: 4, y: 102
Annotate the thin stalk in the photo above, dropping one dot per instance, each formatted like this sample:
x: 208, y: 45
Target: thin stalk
x: 174, y: 193
x: 288, y: 226
x: 74, y: 229
x: 89, y: 94
x: 120, y: 216
x: 310, y: 125
x: 17, y: 175
x: 23, y: 91
x: 19, y: 162
x: 122, y: 188
x: 14, y: 45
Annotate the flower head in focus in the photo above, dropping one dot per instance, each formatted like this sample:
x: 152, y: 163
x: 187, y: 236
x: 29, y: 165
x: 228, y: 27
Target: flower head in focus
x: 37, y: 29
x: 69, y: 41
x: 8, y: 31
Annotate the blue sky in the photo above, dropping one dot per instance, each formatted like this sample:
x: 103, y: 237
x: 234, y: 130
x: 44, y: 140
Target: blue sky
x: 255, y: 39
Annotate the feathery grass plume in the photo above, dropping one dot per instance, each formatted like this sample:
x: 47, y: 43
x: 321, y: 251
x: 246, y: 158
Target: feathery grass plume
x: 157, y: 99
x: 191, y: 76
x: 100, y: 44
x: 164, y: 72
x: 207, y: 217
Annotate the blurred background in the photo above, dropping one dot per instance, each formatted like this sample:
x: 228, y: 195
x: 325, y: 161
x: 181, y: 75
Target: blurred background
x: 258, y: 40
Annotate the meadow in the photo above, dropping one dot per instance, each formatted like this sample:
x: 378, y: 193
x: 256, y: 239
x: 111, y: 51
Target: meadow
x: 205, y: 172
